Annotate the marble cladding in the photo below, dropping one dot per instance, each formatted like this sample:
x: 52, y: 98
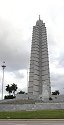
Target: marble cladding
x: 39, y: 62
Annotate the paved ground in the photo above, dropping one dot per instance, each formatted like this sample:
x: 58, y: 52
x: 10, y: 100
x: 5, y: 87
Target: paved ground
x: 37, y: 122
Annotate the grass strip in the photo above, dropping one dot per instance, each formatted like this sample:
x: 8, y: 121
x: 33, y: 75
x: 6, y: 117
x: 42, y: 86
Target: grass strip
x: 43, y: 114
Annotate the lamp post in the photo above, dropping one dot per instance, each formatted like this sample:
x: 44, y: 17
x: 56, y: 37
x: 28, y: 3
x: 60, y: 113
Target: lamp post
x: 3, y: 67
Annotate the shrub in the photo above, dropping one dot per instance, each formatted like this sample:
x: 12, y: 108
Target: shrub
x: 9, y: 97
x: 21, y: 92
x: 50, y: 98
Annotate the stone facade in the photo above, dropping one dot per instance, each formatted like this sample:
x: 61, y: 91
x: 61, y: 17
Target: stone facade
x: 28, y: 107
x: 39, y: 76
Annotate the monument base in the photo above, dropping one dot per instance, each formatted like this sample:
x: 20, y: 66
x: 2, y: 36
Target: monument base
x: 45, y: 94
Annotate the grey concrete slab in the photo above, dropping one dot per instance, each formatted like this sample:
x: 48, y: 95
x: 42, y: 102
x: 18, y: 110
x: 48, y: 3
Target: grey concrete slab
x: 40, y: 122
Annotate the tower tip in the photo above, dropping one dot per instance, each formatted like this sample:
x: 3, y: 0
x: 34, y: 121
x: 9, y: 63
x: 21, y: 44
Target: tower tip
x: 39, y: 17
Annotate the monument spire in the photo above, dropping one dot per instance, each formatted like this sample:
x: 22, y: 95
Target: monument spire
x: 39, y: 17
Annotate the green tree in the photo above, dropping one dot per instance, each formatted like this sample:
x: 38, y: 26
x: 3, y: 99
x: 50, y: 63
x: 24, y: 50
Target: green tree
x: 8, y: 89
x: 14, y: 88
x: 56, y: 92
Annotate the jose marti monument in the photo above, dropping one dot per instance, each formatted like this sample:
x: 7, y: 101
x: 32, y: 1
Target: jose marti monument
x: 39, y: 75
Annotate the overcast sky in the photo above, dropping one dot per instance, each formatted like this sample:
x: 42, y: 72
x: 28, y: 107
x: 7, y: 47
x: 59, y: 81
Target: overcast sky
x: 17, y: 18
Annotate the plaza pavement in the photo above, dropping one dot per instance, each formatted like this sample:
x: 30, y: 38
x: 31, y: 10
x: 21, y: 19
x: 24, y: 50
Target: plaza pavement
x: 32, y: 122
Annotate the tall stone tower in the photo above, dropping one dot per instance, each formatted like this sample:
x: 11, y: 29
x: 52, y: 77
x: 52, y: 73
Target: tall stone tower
x: 39, y: 76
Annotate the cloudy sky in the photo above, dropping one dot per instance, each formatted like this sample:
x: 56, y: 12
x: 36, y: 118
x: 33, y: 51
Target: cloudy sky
x: 17, y: 18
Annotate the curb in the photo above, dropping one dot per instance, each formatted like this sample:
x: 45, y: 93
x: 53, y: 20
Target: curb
x: 31, y: 119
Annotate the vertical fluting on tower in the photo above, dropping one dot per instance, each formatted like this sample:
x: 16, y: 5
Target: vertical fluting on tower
x: 39, y: 76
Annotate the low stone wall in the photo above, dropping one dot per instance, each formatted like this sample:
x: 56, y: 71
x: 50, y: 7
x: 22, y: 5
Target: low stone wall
x: 22, y: 96
x: 55, y: 98
x: 37, y: 106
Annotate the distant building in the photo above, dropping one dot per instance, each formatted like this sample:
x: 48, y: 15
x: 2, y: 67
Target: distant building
x: 39, y: 76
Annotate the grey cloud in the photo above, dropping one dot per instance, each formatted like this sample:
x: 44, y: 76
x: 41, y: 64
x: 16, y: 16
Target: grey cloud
x: 52, y: 49
x: 19, y: 75
x: 61, y: 60
x: 57, y: 82
x: 13, y: 49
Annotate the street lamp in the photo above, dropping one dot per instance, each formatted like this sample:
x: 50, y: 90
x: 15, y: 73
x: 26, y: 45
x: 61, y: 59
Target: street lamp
x: 3, y: 67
